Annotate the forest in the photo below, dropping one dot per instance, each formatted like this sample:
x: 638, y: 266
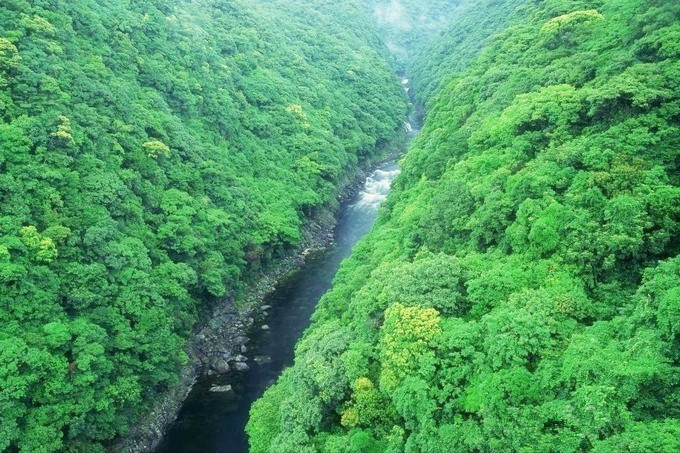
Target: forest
x: 155, y: 157
x: 520, y: 291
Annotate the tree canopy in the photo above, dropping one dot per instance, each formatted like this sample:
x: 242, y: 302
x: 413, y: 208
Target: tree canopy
x: 156, y: 155
x: 520, y: 291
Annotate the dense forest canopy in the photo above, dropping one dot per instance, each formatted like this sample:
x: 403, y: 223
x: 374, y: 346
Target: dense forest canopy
x: 521, y: 290
x: 467, y: 31
x: 155, y: 155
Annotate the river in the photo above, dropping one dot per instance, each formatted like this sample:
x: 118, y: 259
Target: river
x: 215, y: 422
x: 212, y: 421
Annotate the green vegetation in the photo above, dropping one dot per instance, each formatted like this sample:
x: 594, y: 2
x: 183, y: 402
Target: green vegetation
x: 521, y: 290
x: 408, y: 25
x: 156, y: 155
x: 472, y: 24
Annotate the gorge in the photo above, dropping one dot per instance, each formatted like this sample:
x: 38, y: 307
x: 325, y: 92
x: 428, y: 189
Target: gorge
x: 215, y: 421
x: 214, y: 416
x: 339, y: 226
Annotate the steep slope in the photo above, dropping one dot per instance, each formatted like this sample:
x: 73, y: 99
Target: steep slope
x: 520, y: 291
x: 155, y: 156
x: 467, y: 32
x: 407, y: 25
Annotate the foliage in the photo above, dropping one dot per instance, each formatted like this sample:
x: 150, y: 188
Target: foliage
x: 471, y: 26
x: 408, y: 25
x: 156, y: 155
x: 520, y: 289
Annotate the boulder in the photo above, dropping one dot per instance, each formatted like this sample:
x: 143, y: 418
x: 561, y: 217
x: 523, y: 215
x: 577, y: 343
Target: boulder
x: 241, y: 340
x: 262, y: 359
x: 240, y: 366
x: 222, y: 389
x: 221, y: 366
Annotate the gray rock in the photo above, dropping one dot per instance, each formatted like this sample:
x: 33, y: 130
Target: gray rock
x: 244, y: 349
x: 265, y: 307
x: 240, y: 366
x: 265, y: 327
x: 221, y: 366
x: 221, y: 389
x: 262, y: 359
x: 241, y: 340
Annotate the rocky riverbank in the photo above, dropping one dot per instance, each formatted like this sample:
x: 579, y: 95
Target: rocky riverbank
x: 219, y: 346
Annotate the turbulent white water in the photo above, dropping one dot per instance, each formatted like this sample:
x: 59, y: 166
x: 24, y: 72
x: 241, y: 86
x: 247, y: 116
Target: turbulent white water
x: 376, y: 188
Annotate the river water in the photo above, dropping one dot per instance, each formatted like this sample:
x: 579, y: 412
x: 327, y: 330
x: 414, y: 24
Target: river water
x: 215, y: 422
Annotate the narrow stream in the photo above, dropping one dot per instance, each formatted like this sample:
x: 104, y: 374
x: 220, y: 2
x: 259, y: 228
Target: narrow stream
x: 215, y: 421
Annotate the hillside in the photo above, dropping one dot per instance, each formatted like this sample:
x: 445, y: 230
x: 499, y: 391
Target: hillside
x: 409, y: 25
x: 453, y: 47
x: 155, y: 157
x: 521, y: 289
